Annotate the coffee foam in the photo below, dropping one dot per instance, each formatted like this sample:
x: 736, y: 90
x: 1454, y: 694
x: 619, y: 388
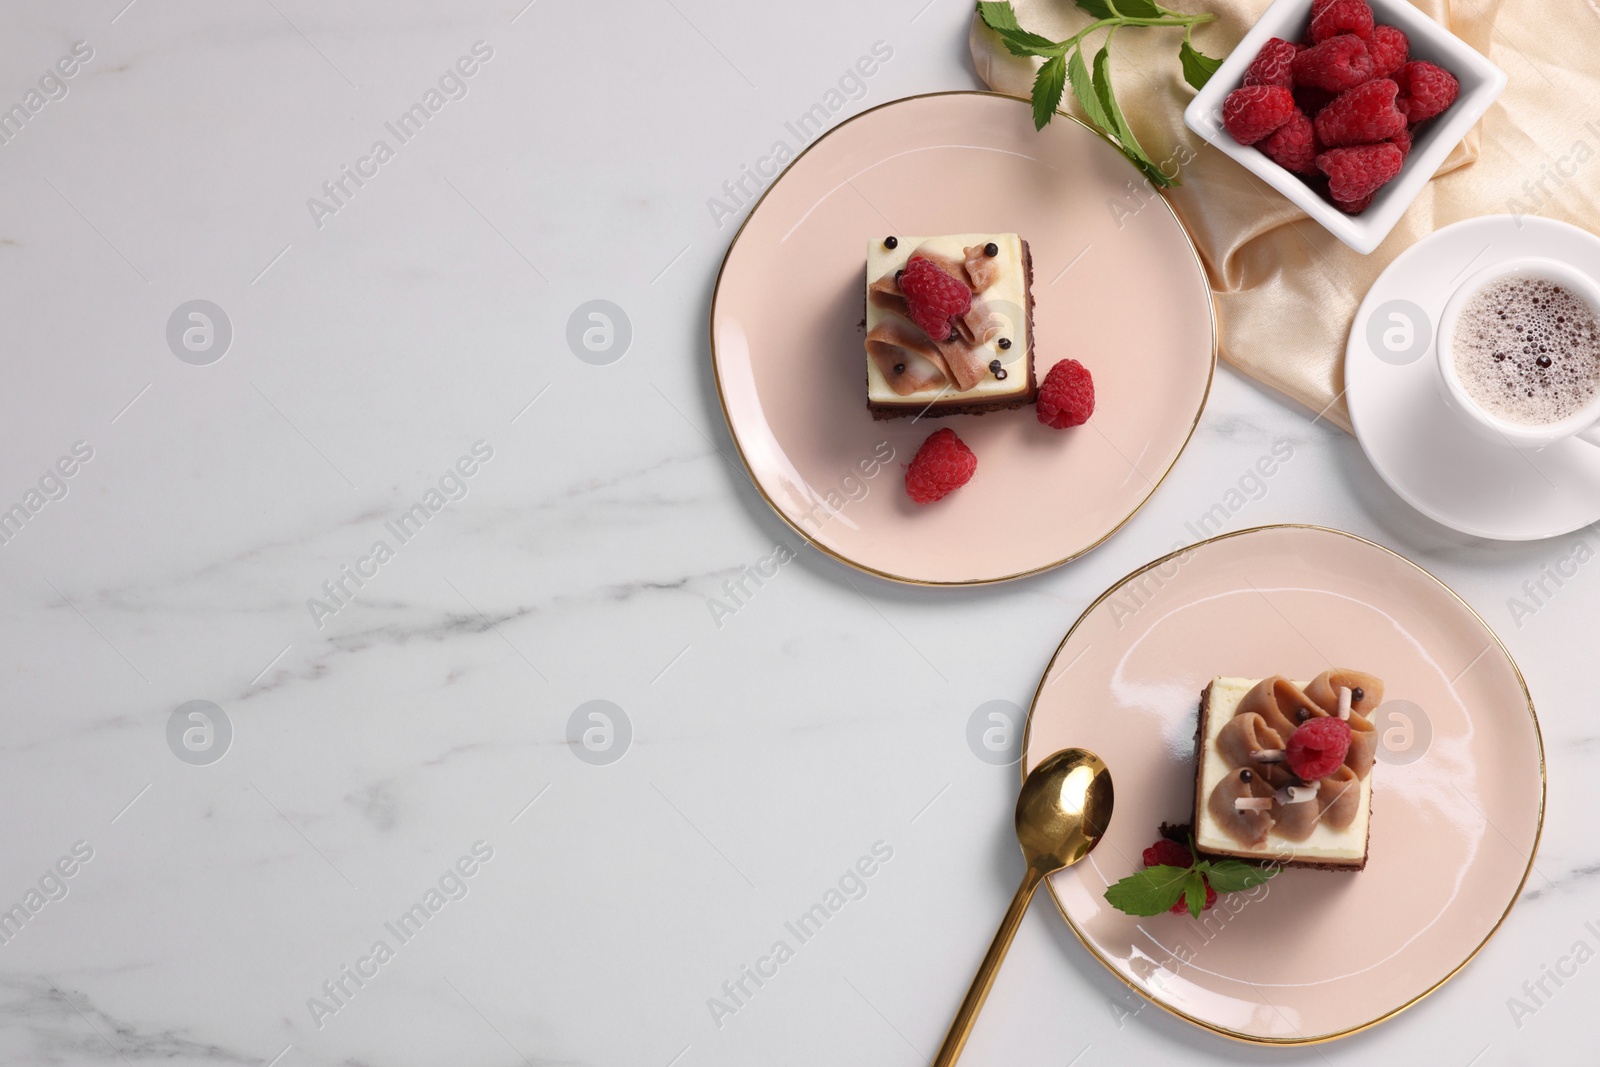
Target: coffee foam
x: 1504, y: 330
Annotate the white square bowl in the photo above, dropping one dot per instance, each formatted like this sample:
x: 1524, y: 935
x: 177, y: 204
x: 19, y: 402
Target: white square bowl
x: 1481, y: 82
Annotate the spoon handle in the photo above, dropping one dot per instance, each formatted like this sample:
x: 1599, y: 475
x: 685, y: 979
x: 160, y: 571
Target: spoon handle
x: 967, y: 1014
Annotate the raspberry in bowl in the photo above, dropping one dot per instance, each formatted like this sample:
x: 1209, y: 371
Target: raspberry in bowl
x: 1377, y: 96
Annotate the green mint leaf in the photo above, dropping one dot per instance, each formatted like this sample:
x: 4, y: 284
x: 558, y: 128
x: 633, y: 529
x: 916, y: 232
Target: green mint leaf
x: 1119, y: 125
x: 1197, y: 67
x: 1231, y: 876
x: 1023, y: 43
x: 1047, y: 89
x: 1150, y: 891
x: 1002, y: 19
x: 1136, y: 9
x: 1108, y: 102
x: 1000, y: 16
x: 1158, y: 179
x: 1083, y: 89
x: 1194, y: 892
x: 1093, y: 87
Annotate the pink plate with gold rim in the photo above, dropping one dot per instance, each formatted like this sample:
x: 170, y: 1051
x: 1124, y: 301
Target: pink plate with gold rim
x: 1117, y: 286
x: 1458, y: 792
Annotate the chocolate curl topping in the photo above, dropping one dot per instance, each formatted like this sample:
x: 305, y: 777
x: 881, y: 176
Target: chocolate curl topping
x: 967, y: 365
x: 1363, y: 746
x: 1340, y: 798
x: 894, y: 343
x: 1297, y: 794
x: 1280, y: 702
x: 981, y: 324
x: 885, y: 293
x: 982, y: 271
x: 1296, y: 820
x: 1248, y: 827
x: 1324, y: 690
x: 1244, y: 737
x: 1242, y: 741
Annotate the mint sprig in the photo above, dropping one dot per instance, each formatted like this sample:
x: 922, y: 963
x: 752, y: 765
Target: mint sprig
x: 1155, y: 890
x: 1064, y: 64
x: 1150, y: 891
x: 1194, y: 893
x: 1197, y: 66
x: 1232, y: 876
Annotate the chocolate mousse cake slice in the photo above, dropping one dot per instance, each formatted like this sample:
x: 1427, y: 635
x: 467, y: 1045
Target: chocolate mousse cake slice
x: 949, y: 325
x: 1284, y: 769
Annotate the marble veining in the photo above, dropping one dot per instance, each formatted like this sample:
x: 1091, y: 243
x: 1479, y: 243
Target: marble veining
x: 548, y: 663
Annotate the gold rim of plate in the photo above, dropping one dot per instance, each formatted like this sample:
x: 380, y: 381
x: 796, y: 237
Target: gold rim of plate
x: 1538, y: 832
x: 716, y: 369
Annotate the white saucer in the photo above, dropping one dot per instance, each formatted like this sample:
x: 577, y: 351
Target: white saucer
x: 1418, y: 445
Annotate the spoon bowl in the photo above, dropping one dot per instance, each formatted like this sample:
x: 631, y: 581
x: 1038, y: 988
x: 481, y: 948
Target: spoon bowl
x: 1063, y: 810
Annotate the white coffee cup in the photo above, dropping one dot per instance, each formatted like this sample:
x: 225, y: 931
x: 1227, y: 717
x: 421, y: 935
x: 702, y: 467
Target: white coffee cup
x: 1583, y: 424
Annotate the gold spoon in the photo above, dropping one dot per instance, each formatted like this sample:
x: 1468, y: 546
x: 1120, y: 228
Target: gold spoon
x: 1063, y: 809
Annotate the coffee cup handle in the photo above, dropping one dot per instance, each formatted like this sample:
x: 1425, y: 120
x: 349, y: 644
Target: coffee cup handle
x: 1591, y: 435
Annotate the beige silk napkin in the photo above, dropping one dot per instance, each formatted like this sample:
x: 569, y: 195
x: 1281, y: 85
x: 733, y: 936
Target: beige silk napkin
x: 1287, y: 290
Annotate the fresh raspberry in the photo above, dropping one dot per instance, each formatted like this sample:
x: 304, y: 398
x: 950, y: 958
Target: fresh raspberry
x: 1319, y: 6
x: 1253, y: 111
x: 933, y: 297
x: 1273, y: 65
x: 1355, y: 173
x: 1355, y: 207
x: 1365, y: 115
x: 1182, y: 906
x: 1067, y: 396
x: 942, y: 465
x: 1294, y: 146
x: 1389, y: 49
x: 1342, y: 16
x: 1166, y: 852
x: 1339, y: 63
x: 1425, y: 90
x: 1317, y: 747
x: 1402, y: 141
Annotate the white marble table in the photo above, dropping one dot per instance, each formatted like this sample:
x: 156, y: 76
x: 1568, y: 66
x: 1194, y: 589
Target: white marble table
x: 399, y: 720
